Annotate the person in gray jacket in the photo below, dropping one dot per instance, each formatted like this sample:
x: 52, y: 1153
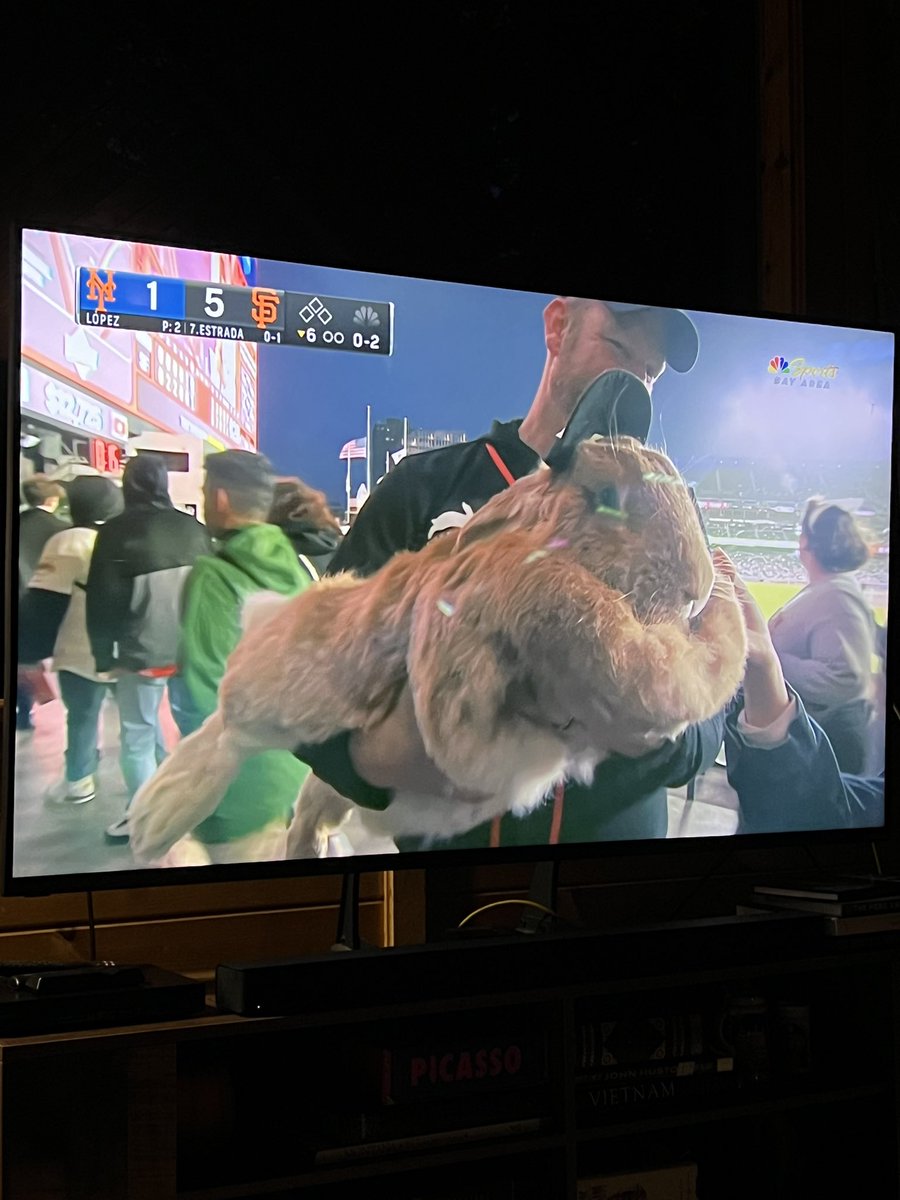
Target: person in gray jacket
x: 825, y: 635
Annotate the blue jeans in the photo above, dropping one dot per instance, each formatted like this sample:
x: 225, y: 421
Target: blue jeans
x: 142, y: 744
x: 82, y: 698
x: 184, y: 712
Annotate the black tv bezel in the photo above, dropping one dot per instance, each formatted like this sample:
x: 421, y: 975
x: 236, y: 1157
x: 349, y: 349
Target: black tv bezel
x: 152, y: 877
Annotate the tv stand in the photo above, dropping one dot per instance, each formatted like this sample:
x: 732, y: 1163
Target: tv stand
x: 348, y: 935
x: 188, y: 1109
x: 539, y: 914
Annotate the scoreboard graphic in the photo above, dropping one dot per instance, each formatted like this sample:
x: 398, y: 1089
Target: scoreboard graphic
x: 112, y: 299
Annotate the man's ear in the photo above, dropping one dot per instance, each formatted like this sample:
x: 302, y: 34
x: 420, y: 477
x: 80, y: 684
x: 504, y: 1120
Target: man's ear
x: 223, y: 506
x: 556, y: 317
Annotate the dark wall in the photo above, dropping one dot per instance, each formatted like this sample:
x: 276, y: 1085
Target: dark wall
x: 852, y: 160
x: 588, y: 147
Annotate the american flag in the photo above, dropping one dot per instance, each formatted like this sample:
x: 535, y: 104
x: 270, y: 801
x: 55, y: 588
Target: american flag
x: 354, y: 449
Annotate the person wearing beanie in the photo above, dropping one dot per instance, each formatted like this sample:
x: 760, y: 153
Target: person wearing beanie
x: 52, y: 624
x: 825, y: 636
x: 138, y: 568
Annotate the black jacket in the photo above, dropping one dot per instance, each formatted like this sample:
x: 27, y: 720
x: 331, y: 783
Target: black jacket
x: 140, y: 562
x: 428, y: 492
x: 431, y: 491
x: 315, y: 545
x: 36, y: 528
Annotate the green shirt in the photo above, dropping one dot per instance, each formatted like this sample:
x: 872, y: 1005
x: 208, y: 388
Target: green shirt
x: 253, y: 559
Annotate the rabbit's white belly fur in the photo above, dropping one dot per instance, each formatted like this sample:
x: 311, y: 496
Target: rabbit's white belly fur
x: 435, y: 819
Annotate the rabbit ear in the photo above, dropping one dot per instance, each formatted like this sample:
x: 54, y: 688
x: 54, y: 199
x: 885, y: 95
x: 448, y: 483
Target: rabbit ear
x: 616, y: 404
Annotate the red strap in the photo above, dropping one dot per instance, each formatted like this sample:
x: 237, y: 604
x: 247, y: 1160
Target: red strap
x: 559, y: 796
x: 559, y: 792
x: 500, y: 465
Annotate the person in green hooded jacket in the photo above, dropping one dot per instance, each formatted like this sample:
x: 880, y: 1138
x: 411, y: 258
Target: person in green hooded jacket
x: 252, y: 557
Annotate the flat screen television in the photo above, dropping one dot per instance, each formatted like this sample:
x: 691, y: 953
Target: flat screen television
x: 345, y: 379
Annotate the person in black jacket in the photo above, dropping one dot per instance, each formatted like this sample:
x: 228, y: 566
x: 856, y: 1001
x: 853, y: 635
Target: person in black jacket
x: 302, y: 513
x: 140, y: 563
x: 428, y: 493
x: 37, y: 524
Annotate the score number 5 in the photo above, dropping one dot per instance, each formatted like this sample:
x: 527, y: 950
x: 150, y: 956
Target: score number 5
x: 215, y: 305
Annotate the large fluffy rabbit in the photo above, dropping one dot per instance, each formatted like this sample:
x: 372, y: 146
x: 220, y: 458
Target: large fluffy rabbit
x: 574, y: 614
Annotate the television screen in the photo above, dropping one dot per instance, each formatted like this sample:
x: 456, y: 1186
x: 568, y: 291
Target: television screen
x: 226, y: 663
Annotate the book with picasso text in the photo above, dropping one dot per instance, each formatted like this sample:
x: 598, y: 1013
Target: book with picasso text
x: 472, y: 1081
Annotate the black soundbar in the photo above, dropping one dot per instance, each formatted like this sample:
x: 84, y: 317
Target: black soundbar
x: 38, y: 998
x: 383, y: 977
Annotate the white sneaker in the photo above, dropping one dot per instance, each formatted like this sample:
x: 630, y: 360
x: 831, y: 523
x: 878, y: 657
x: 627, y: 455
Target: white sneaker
x: 72, y: 791
x: 118, y: 831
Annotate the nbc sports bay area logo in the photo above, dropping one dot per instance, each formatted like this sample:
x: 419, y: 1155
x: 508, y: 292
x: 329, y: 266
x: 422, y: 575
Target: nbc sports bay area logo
x: 797, y: 372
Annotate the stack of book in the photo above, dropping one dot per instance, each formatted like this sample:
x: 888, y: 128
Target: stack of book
x: 849, y: 904
x: 655, y: 1061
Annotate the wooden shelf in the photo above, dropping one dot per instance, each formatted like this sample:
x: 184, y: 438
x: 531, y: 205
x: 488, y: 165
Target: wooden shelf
x: 222, y: 1107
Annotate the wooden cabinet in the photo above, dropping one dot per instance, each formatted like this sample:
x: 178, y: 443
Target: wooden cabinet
x: 501, y: 1096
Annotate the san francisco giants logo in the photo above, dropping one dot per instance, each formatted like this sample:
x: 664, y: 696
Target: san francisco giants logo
x: 98, y: 291
x: 265, y: 306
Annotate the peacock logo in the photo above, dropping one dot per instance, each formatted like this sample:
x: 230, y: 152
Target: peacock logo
x: 778, y: 365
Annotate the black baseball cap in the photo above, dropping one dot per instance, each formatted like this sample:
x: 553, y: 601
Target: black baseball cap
x: 682, y: 341
x: 615, y: 404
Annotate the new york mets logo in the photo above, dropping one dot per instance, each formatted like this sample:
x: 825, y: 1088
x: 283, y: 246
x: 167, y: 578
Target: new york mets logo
x: 98, y: 291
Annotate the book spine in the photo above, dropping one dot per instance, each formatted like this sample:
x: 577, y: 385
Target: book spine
x: 676, y: 1069
x: 831, y: 908
x: 675, y: 1182
x: 600, y: 1101
x: 615, y: 1041
x: 425, y: 1071
x: 377, y: 1123
x: 835, y: 895
x: 429, y: 1141
x: 874, y: 923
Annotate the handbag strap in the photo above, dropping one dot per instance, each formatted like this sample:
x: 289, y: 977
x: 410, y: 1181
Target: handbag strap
x: 559, y: 791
